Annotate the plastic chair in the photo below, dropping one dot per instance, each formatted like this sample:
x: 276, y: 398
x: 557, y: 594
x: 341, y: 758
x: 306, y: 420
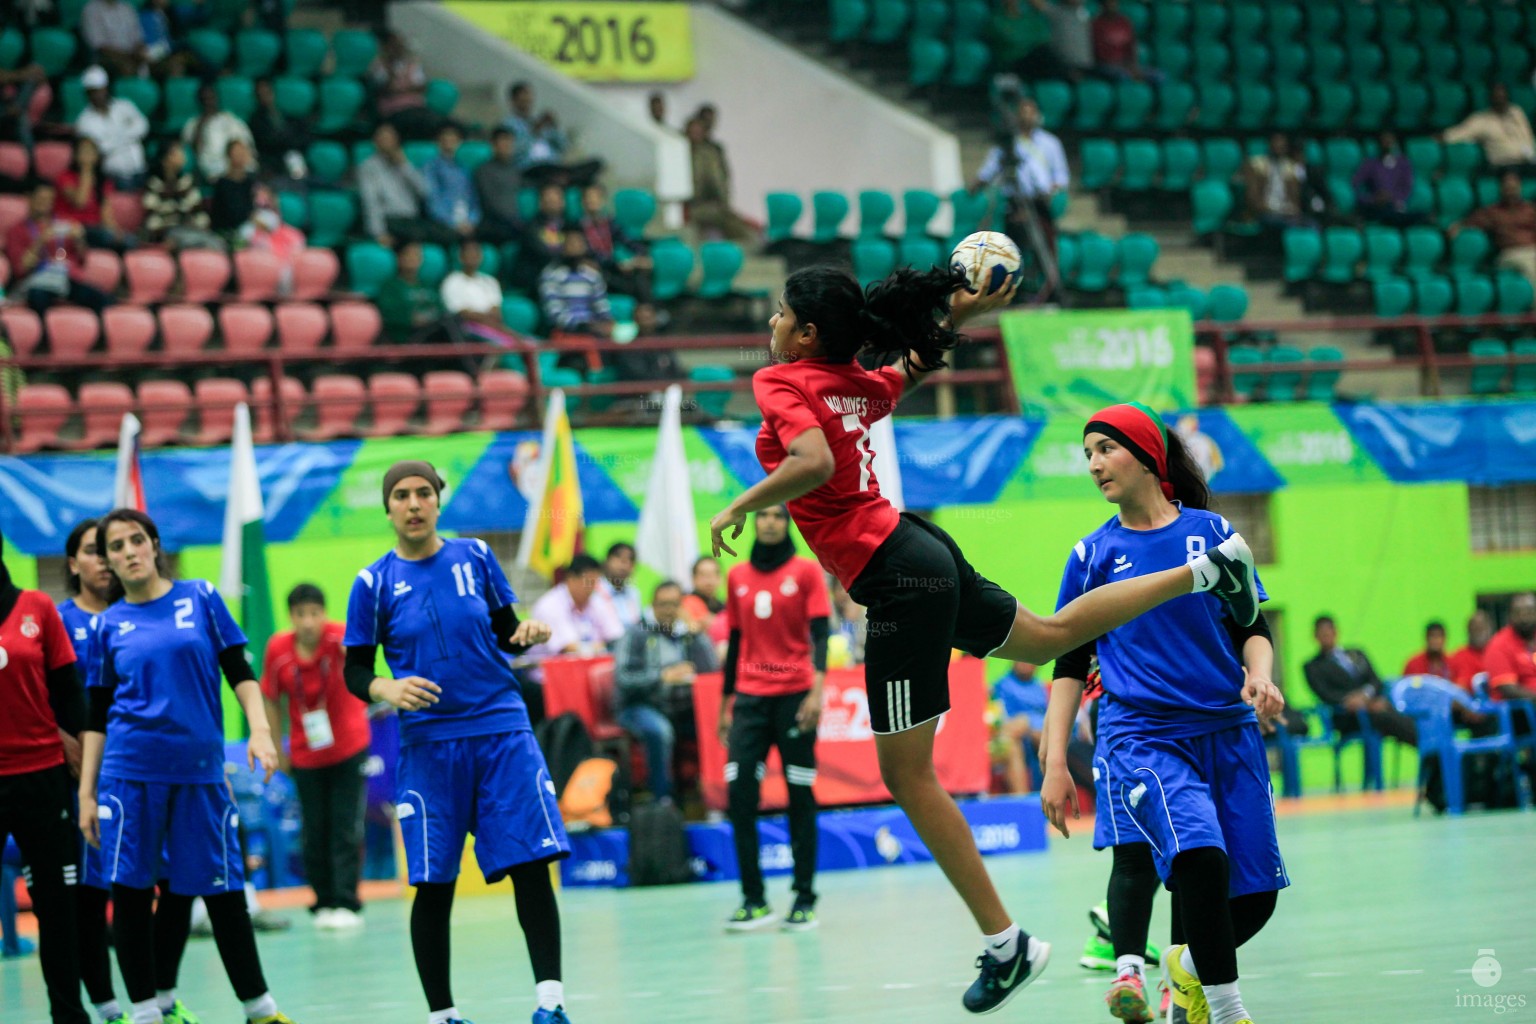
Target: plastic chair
x: 331, y: 216
x: 340, y: 101
x: 671, y: 266
x: 339, y: 400
x: 1430, y: 702
x: 43, y: 411
x: 450, y: 394
x: 712, y: 403
x: 887, y: 21
x: 521, y: 315
x: 355, y: 326
x: 721, y: 262
x: 185, y: 329
x: 295, y: 401
x: 1100, y: 163
x: 245, y: 327
x: 164, y: 407
x: 257, y: 52
x: 128, y: 208
x: 503, y: 394
x: 258, y: 275
x: 216, y: 399
x: 784, y: 209
x: 204, y: 274
x: 1139, y: 159
x: 103, y: 270
x: 295, y: 97
x: 210, y: 46
x: 1474, y: 295
x: 873, y: 260
x: 1175, y: 101
x: 301, y: 326
x: 395, y: 398
x: 314, y: 273
x: 1244, y: 385
x: 633, y: 210
x: 1228, y: 303
x: 1524, y: 382
x: 919, y: 206
x: 1133, y: 106
x: 1433, y: 296
x: 846, y: 20
x: 354, y: 50
x: 971, y: 61
x: 237, y: 94
x: 1323, y: 383
x: 1282, y: 386
x: 179, y: 96
x: 830, y: 209
x: 1092, y: 102
x: 1181, y: 162
x: 1343, y: 250
x: 919, y: 253
x: 54, y: 49
x: 129, y: 330
x: 102, y: 406
x: 442, y: 96
x: 1303, y: 249
x: 1137, y: 253
x: 1054, y: 100
x: 1392, y: 296
x: 72, y: 332
x: 876, y: 208
x: 1492, y: 362
x: 369, y: 265
x: 304, y: 52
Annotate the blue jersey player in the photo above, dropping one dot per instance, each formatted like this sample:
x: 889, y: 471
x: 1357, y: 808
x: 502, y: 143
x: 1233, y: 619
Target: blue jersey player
x: 156, y: 740
x: 442, y: 611
x: 1180, y: 769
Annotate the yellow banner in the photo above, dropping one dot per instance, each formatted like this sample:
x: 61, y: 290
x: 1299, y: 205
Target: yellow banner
x: 600, y: 42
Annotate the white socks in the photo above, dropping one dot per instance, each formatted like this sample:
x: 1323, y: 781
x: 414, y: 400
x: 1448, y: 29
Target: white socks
x: 551, y: 994
x: 1004, y: 944
x: 1226, y: 1003
x: 443, y: 1016
x: 261, y: 1007
x: 166, y: 998
x: 109, y: 1010
x: 147, y: 1012
x: 1206, y: 574
x: 1130, y: 964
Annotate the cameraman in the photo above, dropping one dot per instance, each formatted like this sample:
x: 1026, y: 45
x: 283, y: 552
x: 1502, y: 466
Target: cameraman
x: 1028, y: 169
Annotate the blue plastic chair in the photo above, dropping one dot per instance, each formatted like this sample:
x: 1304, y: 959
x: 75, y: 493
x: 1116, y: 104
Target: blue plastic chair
x: 1370, y: 745
x: 1429, y: 701
x: 1291, y: 746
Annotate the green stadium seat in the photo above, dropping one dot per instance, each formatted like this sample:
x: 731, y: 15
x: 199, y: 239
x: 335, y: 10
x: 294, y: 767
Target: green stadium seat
x: 369, y: 265
x: 873, y: 260
x: 1133, y: 106
x: 296, y: 97
x: 1373, y: 106
x: 1341, y: 193
x: 1425, y: 153
x: 1383, y: 251
x: 930, y: 19
x: 210, y: 46
x: 1341, y: 156
x: 1139, y: 161
x: 419, y: 152
x: 919, y: 207
x: 1509, y: 53
x: 721, y: 262
x: 1181, y: 162
x: 1172, y: 21
x: 1140, y: 15
x: 237, y: 94
x: 341, y: 99
x: 1228, y: 303
x: 1184, y: 296
x: 1463, y: 159
x: 1508, y: 21
x: 363, y: 149
x: 1289, y: 61
x: 1327, y: 61
x: 926, y: 60
x: 327, y: 162
x: 331, y: 216
x: 1247, y: 21
x: 1425, y: 248
x: 518, y: 312
x: 1441, y: 60
x: 1393, y: 297
x: 1433, y: 296
x: 1397, y: 23
x: 1096, y: 261
x: 257, y: 52
x: 1524, y: 382
x: 970, y: 19
x: 1282, y: 387
x: 490, y: 259
x: 1054, y: 99
x: 442, y: 96
x: 1239, y: 358
x: 671, y: 266
x: 712, y: 403
x: 1216, y: 103
x: 1092, y: 100
x: 12, y: 45
x: 1410, y: 105
x: 1303, y: 248
x: 1251, y: 60
x: 1476, y: 59
x: 293, y: 207
x: 53, y: 49
x: 1284, y: 20
x: 354, y: 50
x: 968, y: 210
x: 1293, y: 102
x: 1515, y: 295
x: 1448, y: 102
x: 72, y: 96
x: 887, y: 21
x: 1059, y: 202
x: 1474, y: 295
x: 1322, y: 384
x: 1146, y: 297
x: 472, y: 153
x: 633, y: 210
x: 1366, y: 61
x: 1137, y: 253
x: 829, y: 210
x: 1173, y: 57
x: 1068, y: 256
x: 920, y: 253
x: 846, y: 20
x: 1175, y: 101
x: 1209, y: 20
x: 434, y: 264
x: 143, y: 93
x: 1213, y: 60
x: 1469, y: 251
x: 69, y: 12
x: 1212, y: 204
x: 876, y: 208
x: 179, y: 100
x: 1433, y: 22
x: 1222, y: 158
x: 1454, y: 199
x: 304, y: 52
x: 623, y: 307
x: 1492, y: 357
x: 1324, y: 21
x: 1343, y: 249
x: 784, y: 209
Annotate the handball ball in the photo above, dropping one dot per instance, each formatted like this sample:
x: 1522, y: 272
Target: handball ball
x: 988, y: 259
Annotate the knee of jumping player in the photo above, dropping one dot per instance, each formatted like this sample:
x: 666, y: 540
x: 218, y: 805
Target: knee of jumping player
x: 906, y: 779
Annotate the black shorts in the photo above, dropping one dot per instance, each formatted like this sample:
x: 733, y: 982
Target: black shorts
x: 923, y: 599
x: 759, y: 723
x: 36, y: 810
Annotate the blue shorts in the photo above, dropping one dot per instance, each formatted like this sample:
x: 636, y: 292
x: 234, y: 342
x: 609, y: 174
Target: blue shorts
x: 1182, y: 794
x: 494, y: 787
x: 138, y: 820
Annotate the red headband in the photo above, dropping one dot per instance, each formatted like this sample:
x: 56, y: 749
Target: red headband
x: 1140, y: 430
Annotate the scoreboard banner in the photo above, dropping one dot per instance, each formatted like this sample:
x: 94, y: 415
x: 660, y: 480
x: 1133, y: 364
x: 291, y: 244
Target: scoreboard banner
x: 590, y: 39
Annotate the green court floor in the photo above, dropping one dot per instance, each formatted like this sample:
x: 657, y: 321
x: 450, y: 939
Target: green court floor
x: 1383, y: 923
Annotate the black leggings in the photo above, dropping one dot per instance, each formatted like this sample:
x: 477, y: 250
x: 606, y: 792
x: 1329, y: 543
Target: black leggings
x: 1133, y: 883
x: 537, y: 913
x: 173, y: 923
x: 1215, y: 923
x: 138, y: 942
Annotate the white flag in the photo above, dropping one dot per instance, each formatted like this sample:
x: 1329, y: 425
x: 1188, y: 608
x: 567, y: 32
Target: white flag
x: 243, y: 574
x: 668, y: 540
x: 882, y: 438
x: 128, y: 484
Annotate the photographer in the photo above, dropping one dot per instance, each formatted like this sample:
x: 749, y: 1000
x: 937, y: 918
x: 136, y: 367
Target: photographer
x: 1027, y: 169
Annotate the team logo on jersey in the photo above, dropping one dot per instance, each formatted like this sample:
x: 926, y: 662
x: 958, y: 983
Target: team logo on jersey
x: 402, y: 588
x: 789, y: 588
x: 1122, y: 563
x: 29, y: 627
x: 741, y: 591
x: 80, y: 633
x: 124, y: 628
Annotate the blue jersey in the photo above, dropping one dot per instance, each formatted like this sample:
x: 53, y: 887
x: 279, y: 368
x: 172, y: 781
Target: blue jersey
x: 82, y: 627
x: 162, y: 658
x: 433, y: 619
x: 1173, y: 672
x: 1019, y: 697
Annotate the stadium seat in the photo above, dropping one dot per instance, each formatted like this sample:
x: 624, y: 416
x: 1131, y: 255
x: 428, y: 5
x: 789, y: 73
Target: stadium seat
x: 1175, y: 103
x: 1282, y: 386
x: 1054, y: 100
x: 1393, y: 296
x: 887, y: 21
x: 1181, y: 162
x: 926, y: 57
x: 1092, y: 101
x: 355, y: 326
x: 784, y: 209
x: 295, y: 400
x: 204, y: 274
x: 633, y: 209
x: 179, y: 97
x: 258, y: 275
x: 338, y: 400
x: 129, y: 330
x: 395, y: 398
x: 503, y: 394
x: 918, y: 208
x: 1244, y: 384
x: 72, y: 332
x: 1212, y: 60
x: 23, y: 329
x: 830, y: 210
x: 295, y: 97
x: 1524, y: 379
x: 216, y: 399
x: 1515, y: 294
x: 1425, y: 153
x: 1255, y: 104
x: 1448, y: 101
x: 1173, y: 57
x: 1251, y: 60
x: 1137, y: 253
x: 1322, y: 384
x: 102, y: 406
x: 1383, y: 251
x: 1145, y: 297
x: 43, y: 411
x: 1373, y: 103
x: 12, y: 45
x: 54, y: 49
x: 315, y: 273
x: 434, y: 264
x: 875, y: 210
x: 450, y: 394
x: 873, y: 259
x: 1462, y: 159
x: 1068, y: 255
x: 1433, y: 296
x: 293, y: 207
x: 237, y: 94
x: 150, y: 273
x: 128, y: 210
x: 103, y: 269
x: 1474, y: 295
x: 143, y: 93
x: 1425, y: 247
x: 1100, y: 163
x: 13, y: 210
x: 369, y: 265
x: 1228, y: 303
x: 210, y: 46
x: 1454, y: 199
x: 1469, y: 251
x: 304, y: 52
x: 331, y: 216
x: 1184, y: 296
x: 920, y: 253
x: 442, y: 96
x: 354, y: 50
x: 970, y: 19
x: 521, y: 315
x: 970, y: 61
x: 712, y: 403
x: 15, y: 162
x: 164, y: 406
x: 930, y: 19
x: 721, y: 262
x: 1410, y: 105
x: 1133, y: 106
x: 1216, y: 104
x: 1096, y: 260
x: 1139, y: 159
x: 1492, y: 356
x: 671, y: 266
x: 1212, y: 203
x: 340, y: 101
x: 185, y: 329
x: 245, y: 327
x: 1303, y: 248
x: 257, y: 52
x: 1343, y: 250
x: 301, y: 326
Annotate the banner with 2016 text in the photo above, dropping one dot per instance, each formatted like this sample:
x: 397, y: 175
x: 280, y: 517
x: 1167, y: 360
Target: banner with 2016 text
x: 1078, y: 361
x: 592, y: 39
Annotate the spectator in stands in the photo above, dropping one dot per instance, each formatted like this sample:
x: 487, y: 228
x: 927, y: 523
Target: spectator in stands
x: 661, y: 651
x: 1115, y: 54
x: 25, y: 96
x: 117, y: 126
x: 1272, y: 185
x: 541, y: 144
x: 84, y: 198
x: 572, y: 292
x: 617, y: 583
x: 1020, y: 39
x: 1510, y: 658
x: 1023, y: 699
x: 392, y: 195
x: 234, y: 195
x: 543, y: 239
x: 625, y: 260
x: 1383, y: 185
x: 710, y: 207
x: 451, y: 199
x: 656, y: 102
x: 1502, y: 130
x: 702, y: 606
x: 1028, y: 175
x: 412, y: 310
x: 1346, y: 682
x: 473, y: 299
x: 166, y: 57
x: 175, y: 214
x: 1511, y: 224
x: 211, y: 131
x: 1071, y: 34
x: 266, y: 231
x: 280, y: 139
x: 47, y: 256
x: 401, y: 84
x: 1431, y: 661
x: 497, y: 182
x: 1467, y: 662
x: 112, y: 31
x: 581, y: 620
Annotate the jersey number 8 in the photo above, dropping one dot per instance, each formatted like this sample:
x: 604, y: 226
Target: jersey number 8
x: 1194, y: 546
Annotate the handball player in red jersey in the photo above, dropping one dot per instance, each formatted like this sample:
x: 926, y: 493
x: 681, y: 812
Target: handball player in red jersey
x: 923, y: 597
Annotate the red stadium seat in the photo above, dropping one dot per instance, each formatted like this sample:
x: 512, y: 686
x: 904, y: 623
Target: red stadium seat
x: 395, y: 397
x: 355, y: 326
x: 245, y: 327
x: 185, y: 329
x: 301, y: 326
x: 72, y: 331
x: 14, y: 162
x: 23, y: 328
x: 103, y: 405
x: 204, y: 274
x: 258, y: 275
x: 44, y: 411
x: 315, y: 273
x: 503, y: 393
x: 103, y: 269
x: 13, y: 210
x: 5, y: 271
x: 295, y: 402
x: 339, y: 400
x: 51, y: 159
x: 130, y: 330
x: 151, y: 272
x: 216, y: 401
x: 128, y: 208
x: 450, y: 394
x: 164, y: 406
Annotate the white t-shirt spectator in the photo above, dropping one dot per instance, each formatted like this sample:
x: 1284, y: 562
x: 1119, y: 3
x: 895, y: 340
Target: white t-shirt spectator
x: 213, y: 148
x: 111, y: 26
x: 479, y: 293
x: 1041, y: 165
x: 119, y: 133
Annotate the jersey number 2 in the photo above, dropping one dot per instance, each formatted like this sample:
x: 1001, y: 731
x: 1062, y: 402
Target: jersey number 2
x: 852, y: 424
x: 464, y: 579
x: 184, y: 614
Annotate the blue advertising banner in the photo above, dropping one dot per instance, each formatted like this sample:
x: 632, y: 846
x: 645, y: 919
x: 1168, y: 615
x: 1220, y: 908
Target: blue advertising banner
x: 1481, y: 444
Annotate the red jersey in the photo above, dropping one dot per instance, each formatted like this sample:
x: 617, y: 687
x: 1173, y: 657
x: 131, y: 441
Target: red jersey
x: 1114, y: 40
x: 1422, y: 664
x: 773, y: 611
x: 845, y: 519
x: 316, y: 685
x: 1509, y: 661
x: 33, y: 642
x: 1465, y: 664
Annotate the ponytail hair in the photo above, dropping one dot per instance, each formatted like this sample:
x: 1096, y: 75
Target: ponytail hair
x: 1189, y: 485
x: 903, y: 314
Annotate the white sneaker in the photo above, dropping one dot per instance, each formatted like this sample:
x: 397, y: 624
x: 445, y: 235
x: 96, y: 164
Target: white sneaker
x: 345, y: 919
x: 325, y: 918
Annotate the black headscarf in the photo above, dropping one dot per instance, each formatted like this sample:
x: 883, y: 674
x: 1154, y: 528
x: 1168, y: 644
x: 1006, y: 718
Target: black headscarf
x: 9, y: 592
x: 768, y: 557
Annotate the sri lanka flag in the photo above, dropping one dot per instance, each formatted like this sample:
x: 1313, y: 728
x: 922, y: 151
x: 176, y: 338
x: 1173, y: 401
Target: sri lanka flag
x: 552, y: 530
x: 128, y: 486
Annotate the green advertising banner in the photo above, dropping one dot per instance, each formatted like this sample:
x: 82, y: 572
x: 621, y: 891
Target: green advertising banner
x: 1078, y: 361
x: 1306, y: 443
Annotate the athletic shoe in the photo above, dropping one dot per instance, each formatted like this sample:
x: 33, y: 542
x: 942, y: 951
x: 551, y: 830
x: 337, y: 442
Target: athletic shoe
x: 555, y: 1016
x: 345, y: 919
x: 1001, y: 980
x: 1165, y: 1001
x: 1098, y: 954
x: 1127, y: 999
x: 750, y: 917
x: 1099, y: 915
x: 121, y: 1018
x: 324, y: 919
x: 276, y: 1018
x: 264, y: 921
x: 802, y: 917
x: 1188, y: 1004
x: 1238, y: 586
x: 179, y: 1014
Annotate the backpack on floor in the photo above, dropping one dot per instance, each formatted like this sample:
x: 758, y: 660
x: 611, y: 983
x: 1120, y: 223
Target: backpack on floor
x: 658, y: 846
x: 587, y: 798
x: 566, y: 744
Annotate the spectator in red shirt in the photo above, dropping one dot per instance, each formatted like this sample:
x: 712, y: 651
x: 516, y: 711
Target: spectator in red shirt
x: 328, y: 740
x: 1468, y: 661
x: 1114, y: 46
x: 84, y: 198
x: 1510, y: 658
x: 47, y: 256
x: 1431, y: 661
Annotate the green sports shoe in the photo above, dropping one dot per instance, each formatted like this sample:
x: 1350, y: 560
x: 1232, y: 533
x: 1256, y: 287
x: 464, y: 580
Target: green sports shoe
x: 750, y: 917
x: 121, y: 1018
x: 1099, y: 915
x: 179, y: 1014
x: 1098, y: 954
x: 802, y: 917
